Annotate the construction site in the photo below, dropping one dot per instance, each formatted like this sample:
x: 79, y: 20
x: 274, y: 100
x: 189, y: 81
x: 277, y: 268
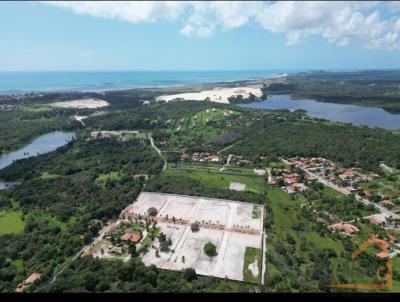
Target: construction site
x: 235, y: 228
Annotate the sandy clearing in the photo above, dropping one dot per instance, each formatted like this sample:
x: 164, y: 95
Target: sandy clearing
x: 188, y: 245
x: 80, y: 104
x: 218, y: 94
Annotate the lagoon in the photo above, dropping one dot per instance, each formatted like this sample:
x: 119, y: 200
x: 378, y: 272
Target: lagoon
x: 43, y: 144
x: 357, y: 115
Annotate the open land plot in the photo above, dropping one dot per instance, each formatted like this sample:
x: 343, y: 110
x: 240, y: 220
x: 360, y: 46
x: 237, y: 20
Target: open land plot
x: 220, y: 180
x: 84, y: 103
x: 232, y: 236
x: 11, y: 222
x: 218, y: 94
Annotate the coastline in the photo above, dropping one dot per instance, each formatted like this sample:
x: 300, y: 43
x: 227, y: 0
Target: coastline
x: 160, y: 82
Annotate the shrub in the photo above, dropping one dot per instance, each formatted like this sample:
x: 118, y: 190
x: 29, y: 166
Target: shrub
x: 210, y: 249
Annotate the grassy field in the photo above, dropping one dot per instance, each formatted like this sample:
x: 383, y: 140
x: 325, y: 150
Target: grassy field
x: 212, y: 167
x: 46, y: 218
x: 11, y: 222
x: 252, y: 255
x: 47, y: 175
x: 37, y: 108
x: 112, y: 176
x: 199, y: 127
x: 221, y: 180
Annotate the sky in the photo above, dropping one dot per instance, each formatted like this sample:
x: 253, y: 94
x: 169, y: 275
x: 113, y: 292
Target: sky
x: 184, y: 35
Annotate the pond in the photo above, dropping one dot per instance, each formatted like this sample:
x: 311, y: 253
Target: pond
x: 43, y: 144
x: 357, y: 115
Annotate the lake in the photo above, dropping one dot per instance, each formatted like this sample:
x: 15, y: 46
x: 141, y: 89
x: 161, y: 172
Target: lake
x: 43, y: 144
x: 357, y: 115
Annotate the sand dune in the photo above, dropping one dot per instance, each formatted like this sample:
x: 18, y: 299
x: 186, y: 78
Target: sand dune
x: 218, y: 95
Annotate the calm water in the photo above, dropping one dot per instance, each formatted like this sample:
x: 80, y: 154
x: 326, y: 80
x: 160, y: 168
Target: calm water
x: 43, y: 144
x: 358, y: 115
x: 14, y: 82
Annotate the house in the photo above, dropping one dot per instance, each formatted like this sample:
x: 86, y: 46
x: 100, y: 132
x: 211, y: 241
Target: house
x: 104, y: 134
x: 213, y: 158
x: 383, y: 246
x: 378, y: 220
x: 141, y: 175
x: 131, y: 236
x: 185, y: 156
x: 290, y: 189
x: 383, y: 255
x: 386, y: 202
x: 86, y: 254
x: 391, y: 238
x: 244, y: 162
x: 31, y: 279
x: 344, y: 228
x: 299, y: 187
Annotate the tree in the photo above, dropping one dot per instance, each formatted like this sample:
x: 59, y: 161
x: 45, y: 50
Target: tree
x: 189, y: 274
x: 195, y: 227
x: 132, y: 249
x: 152, y: 211
x: 210, y: 249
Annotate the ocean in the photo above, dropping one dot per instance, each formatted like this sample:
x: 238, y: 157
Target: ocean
x: 22, y: 82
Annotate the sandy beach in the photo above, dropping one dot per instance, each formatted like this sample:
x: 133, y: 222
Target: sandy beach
x: 218, y: 94
x: 80, y: 104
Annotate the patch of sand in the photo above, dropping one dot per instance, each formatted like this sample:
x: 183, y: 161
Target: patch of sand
x: 218, y: 94
x: 84, y: 103
x: 253, y: 267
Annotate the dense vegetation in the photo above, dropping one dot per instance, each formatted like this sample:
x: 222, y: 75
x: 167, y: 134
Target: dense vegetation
x: 91, y: 275
x: 61, y: 202
x: 360, y: 146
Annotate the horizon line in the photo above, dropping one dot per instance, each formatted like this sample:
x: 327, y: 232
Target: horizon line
x: 196, y: 70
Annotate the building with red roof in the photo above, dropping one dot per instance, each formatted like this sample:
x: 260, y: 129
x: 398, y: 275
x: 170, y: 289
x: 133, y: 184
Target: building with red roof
x: 31, y: 279
x: 131, y: 236
x: 344, y: 228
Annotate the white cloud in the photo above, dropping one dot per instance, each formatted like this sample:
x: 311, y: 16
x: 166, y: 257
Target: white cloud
x: 339, y: 22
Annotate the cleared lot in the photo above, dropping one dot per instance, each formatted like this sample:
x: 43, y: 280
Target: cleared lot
x: 229, y: 225
x: 84, y: 103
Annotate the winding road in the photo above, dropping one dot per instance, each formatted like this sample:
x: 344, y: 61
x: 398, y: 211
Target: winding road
x: 158, y: 151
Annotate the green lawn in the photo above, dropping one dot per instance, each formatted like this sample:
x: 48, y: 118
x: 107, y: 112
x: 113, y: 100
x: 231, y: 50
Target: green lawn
x: 11, y: 222
x: 221, y: 180
x: 252, y: 255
